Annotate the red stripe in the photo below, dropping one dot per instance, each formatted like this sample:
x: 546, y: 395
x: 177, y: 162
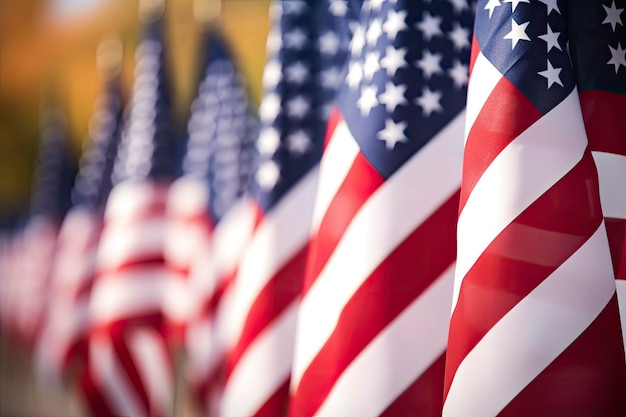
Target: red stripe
x: 604, y: 113
x: 506, y: 113
x: 94, y: 401
x: 616, y: 231
x: 120, y: 271
x: 424, y: 397
x: 333, y: 120
x: 276, y: 404
x: 474, y: 52
x: 118, y: 335
x: 527, y: 251
x: 280, y: 291
x: 395, y: 284
x: 360, y: 182
x: 587, y: 379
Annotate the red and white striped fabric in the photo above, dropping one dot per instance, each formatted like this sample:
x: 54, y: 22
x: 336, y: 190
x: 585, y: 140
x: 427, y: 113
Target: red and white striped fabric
x: 62, y: 342
x: 210, y: 333
x: 187, y: 240
x: 597, y: 30
x: 535, y: 325
x: 130, y: 370
x: 35, y: 258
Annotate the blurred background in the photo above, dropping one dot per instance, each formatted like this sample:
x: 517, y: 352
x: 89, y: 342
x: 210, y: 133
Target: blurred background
x: 48, y: 54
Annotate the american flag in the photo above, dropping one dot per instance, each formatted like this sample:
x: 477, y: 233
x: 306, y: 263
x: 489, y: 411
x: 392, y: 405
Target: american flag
x: 598, y: 47
x: 376, y: 299
x: 52, y: 184
x: 306, y: 49
x: 535, y: 325
x: 61, y: 348
x: 211, y: 221
x: 129, y: 367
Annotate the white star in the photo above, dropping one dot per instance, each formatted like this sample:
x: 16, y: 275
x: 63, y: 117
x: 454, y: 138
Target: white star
x: 551, y: 5
x: 459, y: 5
x: 551, y: 39
x: 613, y: 16
x: 393, y: 59
x: 393, y: 96
x: 618, y: 57
x: 293, y: 7
x: 374, y: 31
x: 459, y: 74
x: 368, y: 99
x: 372, y: 64
x: 268, y: 174
x: 274, y: 41
x: 268, y: 141
x: 358, y: 41
x: 355, y: 74
x: 430, y: 25
x: 338, y: 7
x: 517, y: 33
x: 330, y: 78
x: 552, y: 75
x: 297, y: 72
x: 430, y: 64
x: 329, y: 43
x: 271, y: 74
x: 429, y: 101
x: 395, y: 23
x: 270, y: 107
x: 295, y: 38
x: 298, y: 142
x: 491, y: 5
x: 393, y: 133
x: 459, y: 37
x: 298, y: 107
x: 514, y: 3
x: 376, y: 4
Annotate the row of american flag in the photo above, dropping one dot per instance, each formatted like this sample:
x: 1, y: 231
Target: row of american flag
x: 426, y: 216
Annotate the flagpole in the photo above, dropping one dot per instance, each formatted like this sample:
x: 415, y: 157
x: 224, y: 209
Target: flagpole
x: 207, y: 12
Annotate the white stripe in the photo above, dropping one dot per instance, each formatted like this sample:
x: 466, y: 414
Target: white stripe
x: 131, y: 241
x: 524, y: 170
x: 187, y: 197
x: 110, y: 377
x: 338, y: 158
x: 151, y: 358
x: 183, y: 242
x: 263, y: 368
x: 232, y: 234
x: 405, y: 201
x: 536, y: 331
x: 131, y: 197
x: 135, y: 291
x: 198, y: 342
x: 620, y: 285
x: 281, y: 234
x: 398, y: 355
x: 483, y: 80
x: 612, y: 175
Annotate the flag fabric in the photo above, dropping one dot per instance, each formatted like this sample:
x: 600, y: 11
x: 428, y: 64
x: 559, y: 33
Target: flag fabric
x: 306, y: 50
x: 598, y: 39
x: 61, y: 348
x: 375, y: 305
x: 210, y: 219
x: 222, y: 120
x: 535, y: 327
x: 129, y: 367
x: 52, y: 184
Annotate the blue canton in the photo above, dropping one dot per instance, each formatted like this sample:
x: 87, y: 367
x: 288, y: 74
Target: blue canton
x: 407, y: 76
x: 307, y: 48
x: 147, y: 146
x: 222, y: 130
x: 526, y: 41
